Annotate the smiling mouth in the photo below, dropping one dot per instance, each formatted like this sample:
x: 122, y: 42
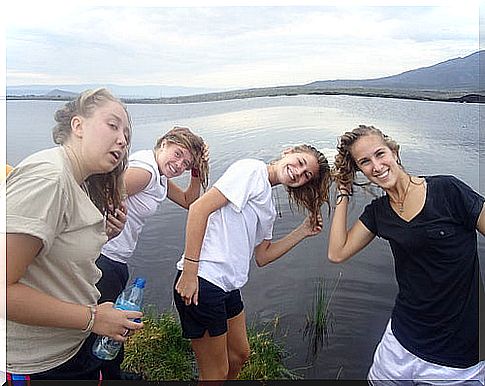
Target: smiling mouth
x: 172, y: 169
x: 382, y: 175
x: 290, y: 174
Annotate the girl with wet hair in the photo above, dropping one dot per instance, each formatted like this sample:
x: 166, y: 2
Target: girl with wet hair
x: 147, y: 183
x: 225, y: 227
x: 58, y: 202
x: 430, y: 223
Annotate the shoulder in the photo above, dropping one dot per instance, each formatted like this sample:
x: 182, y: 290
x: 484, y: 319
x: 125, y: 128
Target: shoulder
x: 49, y: 164
x: 142, y: 155
x: 446, y: 182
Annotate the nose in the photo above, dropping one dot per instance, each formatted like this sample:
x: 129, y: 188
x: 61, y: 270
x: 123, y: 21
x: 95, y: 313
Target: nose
x: 122, y: 140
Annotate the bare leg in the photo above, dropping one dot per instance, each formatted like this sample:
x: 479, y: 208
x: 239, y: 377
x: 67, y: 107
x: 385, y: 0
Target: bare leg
x: 211, y: 355
x: 237, y: 344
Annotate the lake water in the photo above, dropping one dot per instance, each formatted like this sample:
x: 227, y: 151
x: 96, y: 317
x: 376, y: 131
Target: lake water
x: 435, y: 138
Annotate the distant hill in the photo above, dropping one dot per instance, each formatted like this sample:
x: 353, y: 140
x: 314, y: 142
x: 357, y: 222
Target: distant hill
x: 454, y: 80
x: 144, y: 91
x: 450, y: 75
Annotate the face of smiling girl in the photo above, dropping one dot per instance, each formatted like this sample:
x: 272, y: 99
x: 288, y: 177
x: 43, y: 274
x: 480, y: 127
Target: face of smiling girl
x: 173, y: 159
x: 296, y: 169
x: 376, y: 160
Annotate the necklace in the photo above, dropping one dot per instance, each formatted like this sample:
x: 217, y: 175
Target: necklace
x: 401, y: 202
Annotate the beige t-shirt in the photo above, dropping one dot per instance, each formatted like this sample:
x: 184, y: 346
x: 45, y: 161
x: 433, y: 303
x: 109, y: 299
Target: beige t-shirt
x: 44, y: 200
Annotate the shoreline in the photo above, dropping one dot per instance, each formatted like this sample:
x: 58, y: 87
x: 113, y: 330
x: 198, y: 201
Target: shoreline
x: 464, y: 96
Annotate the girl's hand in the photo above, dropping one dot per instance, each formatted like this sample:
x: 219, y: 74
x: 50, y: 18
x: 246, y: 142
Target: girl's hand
x: 188, y: 288
x: 307, y: 228
x: 115, y: 223
x: 115, y: 323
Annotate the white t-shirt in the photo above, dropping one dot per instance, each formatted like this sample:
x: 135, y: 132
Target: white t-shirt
x: 234, y: 230
x: 140, y: 206
x: 45, y: 201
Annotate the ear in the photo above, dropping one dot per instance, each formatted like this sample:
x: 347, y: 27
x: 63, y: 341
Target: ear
x: 76, y: 126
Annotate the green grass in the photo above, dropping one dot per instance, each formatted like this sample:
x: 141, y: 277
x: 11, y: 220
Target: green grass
x: 159, y: 353
x: 267, y: 356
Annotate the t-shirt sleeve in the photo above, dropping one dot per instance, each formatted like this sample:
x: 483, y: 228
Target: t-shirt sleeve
x: 466, y: 202
x: 239, y: 183
x: 368, y: 217
x: 35, y: 204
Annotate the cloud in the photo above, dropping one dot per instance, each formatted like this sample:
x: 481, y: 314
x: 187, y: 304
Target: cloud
x: 235, y: 47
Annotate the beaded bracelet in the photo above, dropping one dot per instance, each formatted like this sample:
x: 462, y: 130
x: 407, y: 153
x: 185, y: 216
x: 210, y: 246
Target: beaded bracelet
x: 192, y: 260
x: 194, y: 172
x: 92, y: 315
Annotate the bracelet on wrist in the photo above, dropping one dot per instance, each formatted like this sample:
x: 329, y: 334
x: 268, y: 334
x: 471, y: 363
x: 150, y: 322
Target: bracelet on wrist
x: 92, y: 316
x: 194, y: 172
x: 341, y: 196
x: 192, y: 260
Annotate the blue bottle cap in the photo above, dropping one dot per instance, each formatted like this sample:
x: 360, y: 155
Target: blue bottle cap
x: 140, y: 282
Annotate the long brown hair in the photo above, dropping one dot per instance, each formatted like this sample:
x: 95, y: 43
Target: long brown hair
x: 196, y: 146
x: 106, y: 189
x: 315, y: 192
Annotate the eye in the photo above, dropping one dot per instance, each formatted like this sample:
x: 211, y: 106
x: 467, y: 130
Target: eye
x: 364, y: 162
x: 308, y: 175
x: 177, y: 154
x: 113, y: 126
x: 380, y: 153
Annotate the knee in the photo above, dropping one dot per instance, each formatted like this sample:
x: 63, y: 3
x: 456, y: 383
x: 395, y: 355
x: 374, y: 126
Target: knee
x: 239, y: 358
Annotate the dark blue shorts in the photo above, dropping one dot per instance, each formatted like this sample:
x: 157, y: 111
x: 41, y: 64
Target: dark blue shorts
x: 214, y: 309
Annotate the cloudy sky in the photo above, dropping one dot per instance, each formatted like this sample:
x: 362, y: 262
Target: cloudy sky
x: 224, y: 47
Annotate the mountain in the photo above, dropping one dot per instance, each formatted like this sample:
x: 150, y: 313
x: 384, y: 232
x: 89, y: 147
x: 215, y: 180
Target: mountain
x: 144, y: 91
x: 450, y: 75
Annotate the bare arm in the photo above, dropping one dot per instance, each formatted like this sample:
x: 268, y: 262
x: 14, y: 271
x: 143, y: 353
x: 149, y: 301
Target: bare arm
x: 187, y: 197
x: 268, y: 251
x: 343, y: 243
x: 188, y: 285
x: 136, y: 179
x: 481, y: 221
x: 27, y: 305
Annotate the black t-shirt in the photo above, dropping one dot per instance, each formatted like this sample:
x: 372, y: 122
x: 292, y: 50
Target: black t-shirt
x: 435, y: 315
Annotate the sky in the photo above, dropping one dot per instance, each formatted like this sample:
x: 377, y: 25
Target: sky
x: 229, y: 47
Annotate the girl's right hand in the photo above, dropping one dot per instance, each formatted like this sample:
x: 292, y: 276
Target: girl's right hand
x: 115, y: 323
x: 188, y: 288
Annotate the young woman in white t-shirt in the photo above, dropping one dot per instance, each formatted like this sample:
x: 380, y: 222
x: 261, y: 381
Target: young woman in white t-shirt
x: 225, y: 227
x: 147, y: 183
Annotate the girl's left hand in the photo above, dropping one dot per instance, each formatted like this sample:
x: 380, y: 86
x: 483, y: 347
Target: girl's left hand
x: 308, y: 229
x: 115, y: 223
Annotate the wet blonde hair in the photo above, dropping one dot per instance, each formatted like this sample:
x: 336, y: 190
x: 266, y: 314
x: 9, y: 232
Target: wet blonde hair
x: 345, y: 168
x: 196, y: 146
x: 313, y: 194
x: 105, y: 190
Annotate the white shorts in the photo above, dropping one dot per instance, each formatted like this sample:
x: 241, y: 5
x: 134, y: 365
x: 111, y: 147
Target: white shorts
x: 394, y: 365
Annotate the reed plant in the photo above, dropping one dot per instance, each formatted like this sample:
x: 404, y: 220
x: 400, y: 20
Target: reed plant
x: 319, y: 319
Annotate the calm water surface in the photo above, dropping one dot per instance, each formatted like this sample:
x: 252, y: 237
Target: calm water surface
x: 435, y: 138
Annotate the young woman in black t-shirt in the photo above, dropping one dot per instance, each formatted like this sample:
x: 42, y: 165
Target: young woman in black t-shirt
x: 430, y: 223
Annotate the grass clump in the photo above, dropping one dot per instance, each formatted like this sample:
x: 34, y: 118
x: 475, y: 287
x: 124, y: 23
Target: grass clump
x: 158, y: 352
x: 267, y: 356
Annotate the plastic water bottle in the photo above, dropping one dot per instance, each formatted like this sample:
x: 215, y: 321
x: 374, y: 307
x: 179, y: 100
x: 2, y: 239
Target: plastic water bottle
x: 131, y: 300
